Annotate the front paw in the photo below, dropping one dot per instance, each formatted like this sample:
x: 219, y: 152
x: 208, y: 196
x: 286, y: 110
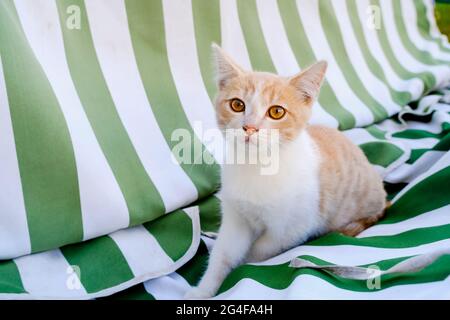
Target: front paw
x: 197, y: 293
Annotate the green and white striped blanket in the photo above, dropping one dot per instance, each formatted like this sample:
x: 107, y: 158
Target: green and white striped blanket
x: 91, y: 202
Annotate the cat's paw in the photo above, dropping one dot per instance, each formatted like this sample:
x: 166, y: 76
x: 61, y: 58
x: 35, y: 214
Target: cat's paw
x: 197, y: 293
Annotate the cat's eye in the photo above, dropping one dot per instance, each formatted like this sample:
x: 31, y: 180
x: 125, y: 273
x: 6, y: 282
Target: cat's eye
x: 237, y: 105
x: 276, y: 112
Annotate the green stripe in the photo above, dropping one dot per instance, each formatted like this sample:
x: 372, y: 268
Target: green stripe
x: 401, y: 98
x: 173, y: 232
x: 10, y: 281
x: 416, y: 154
x: 424, y: 25
x: 193, y: 270
x: 101, y: 263
x: 425, y: 196
x: 304, y: 55
x: 421, y: 55
x: 427, y: 77
x: 418, y: 134
x: 137, y: 292
x: 381, y: 153
x: 442, y: 145
x: 207, y: 30
x: 407, y: 239
x: 210, y: 214
x: 142, y: 198
x: 44, y: 149
x: 146, y: 25
x: 332, y: 32
x: 281, y: 276
x: 253, y: 35
x: 376, y: 132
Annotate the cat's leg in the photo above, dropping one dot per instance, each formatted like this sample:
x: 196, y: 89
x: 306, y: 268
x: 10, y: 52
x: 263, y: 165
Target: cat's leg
x: 265, y: 247
x: 233, y: 241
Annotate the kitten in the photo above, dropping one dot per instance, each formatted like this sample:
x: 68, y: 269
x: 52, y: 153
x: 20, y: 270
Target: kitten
x: 324, y: 182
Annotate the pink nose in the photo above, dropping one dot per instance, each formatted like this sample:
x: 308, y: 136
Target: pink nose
x: 250, y: 129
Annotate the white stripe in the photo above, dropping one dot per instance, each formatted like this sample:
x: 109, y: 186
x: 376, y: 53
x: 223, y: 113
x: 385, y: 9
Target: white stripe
x: 231, y: 33
x: 170, y: 287
x: 276, y: 39
x: 409, y: 172
x: 309, y: 14
x: 281, y: 53
x: 391, y: 126
x: 423, y: 143
x: 359, y: 136
x: 141, y: 250
x: 103, y: 206
x: 378, y: 89
x: 14, y: 237
x: 48, y: 274
x: 414, y: 86
x: 183, y: 60
x: 434, y: 218
x: 310, y: 287
x: 409, y: 16
x: 443, y: 162
x: 443, y: 107
x: 403, y: 55
x: 360, y: 255
x: 209, y: 242
x: 109, y: 29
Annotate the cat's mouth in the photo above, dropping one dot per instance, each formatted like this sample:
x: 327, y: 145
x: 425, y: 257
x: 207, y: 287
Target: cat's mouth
x: 255, y: 140
x: 251, y: 139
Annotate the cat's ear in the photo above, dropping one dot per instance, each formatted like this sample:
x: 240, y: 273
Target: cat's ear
x: 309, y: 81
x: 225, y: 68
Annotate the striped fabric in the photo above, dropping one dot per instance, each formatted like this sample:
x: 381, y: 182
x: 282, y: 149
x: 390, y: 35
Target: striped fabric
x: 106, y: 264
x: 91, y: 91
x: 417, y: 224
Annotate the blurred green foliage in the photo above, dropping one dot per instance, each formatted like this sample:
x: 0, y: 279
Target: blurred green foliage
x: 442, y: 12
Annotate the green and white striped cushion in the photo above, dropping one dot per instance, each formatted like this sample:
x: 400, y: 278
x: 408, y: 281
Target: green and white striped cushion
x: 106, y: 264
x: 86, y: 117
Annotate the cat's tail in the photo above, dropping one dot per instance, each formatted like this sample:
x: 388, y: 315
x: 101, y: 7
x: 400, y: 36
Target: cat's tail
x: 388, y: 205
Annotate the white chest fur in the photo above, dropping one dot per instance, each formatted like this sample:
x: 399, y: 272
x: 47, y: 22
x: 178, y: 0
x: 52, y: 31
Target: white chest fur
x: 286, y: 203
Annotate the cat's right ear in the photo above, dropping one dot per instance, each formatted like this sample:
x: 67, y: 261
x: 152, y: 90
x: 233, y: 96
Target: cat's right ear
x: 225, y: 68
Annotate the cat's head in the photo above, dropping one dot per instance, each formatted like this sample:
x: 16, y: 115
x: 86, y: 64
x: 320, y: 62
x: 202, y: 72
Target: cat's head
x: 249, y: 101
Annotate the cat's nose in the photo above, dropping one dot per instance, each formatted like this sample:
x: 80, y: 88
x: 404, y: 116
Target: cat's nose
x: 249, y: 129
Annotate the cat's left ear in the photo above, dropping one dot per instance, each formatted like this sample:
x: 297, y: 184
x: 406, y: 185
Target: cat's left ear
x: 309, y: 81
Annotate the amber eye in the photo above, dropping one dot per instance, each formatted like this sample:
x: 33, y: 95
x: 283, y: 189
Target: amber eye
x: 276, y: 112
x: 237, y: 105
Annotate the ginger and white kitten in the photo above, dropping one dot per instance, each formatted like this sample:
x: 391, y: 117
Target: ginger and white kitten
x: 324, y: 182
